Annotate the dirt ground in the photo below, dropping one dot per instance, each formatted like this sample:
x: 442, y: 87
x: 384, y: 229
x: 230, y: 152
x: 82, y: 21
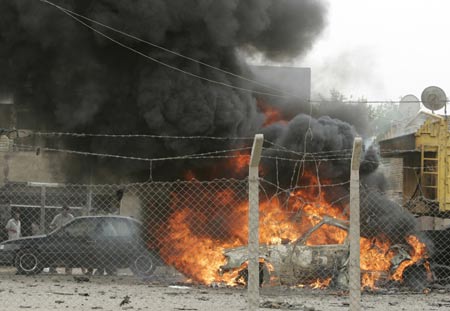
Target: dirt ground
x: 63, y: 292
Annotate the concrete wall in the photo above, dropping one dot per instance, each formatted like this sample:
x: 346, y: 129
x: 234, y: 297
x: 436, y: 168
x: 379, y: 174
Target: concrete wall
x: 392, y: 168
x: 433, y: 223
x: 24, y: 166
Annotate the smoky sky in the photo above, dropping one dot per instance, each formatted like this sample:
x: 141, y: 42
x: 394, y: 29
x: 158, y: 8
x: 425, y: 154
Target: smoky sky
x: 72, y: 79
x: 65, y: 77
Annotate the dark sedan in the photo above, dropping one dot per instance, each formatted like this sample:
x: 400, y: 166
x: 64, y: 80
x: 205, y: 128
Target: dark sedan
x: 107, y: 242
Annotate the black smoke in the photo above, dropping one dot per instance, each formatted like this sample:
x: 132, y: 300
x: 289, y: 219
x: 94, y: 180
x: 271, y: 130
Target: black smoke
x: 380, y: 215
x: 71, y: 79
x: 320, y: 145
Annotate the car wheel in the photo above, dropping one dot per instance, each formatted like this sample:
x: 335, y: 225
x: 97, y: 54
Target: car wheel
x: 143, y: 265
x: 27, y: 262
x: 264, y: 274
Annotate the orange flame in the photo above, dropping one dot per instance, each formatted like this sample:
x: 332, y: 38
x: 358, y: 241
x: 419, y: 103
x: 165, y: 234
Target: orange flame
x: 272, y: 114
x: 321, y: 284
x: 375, y: 257
x: 189, y: 244
x: 419, y: 251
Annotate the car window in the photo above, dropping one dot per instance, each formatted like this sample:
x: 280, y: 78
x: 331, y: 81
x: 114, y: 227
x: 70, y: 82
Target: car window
x: 135, y: 228
x: 123, y: 229
x: 80, y: 228
x: 114, y: 228
x: 107, y: 230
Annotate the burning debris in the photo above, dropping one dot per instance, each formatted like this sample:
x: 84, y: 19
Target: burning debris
x: 303, y: 240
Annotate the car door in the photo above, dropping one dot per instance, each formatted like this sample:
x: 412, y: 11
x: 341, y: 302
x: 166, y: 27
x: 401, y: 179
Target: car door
x: 110, y: 243
x: 72, y: 245
x: 128, y: 239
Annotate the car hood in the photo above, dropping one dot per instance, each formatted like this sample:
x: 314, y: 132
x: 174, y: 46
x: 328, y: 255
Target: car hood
x: 25, y: 239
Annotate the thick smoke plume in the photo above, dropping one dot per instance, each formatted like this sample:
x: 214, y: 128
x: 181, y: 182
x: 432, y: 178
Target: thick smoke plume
x: 72, y: 79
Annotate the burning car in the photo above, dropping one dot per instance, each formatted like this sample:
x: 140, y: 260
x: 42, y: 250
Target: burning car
x: 300, y: 262
x: 295, y: 262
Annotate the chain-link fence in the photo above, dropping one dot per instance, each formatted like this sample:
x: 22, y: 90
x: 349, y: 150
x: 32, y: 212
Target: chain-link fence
x: 197, y: 232
x: 178, y: 225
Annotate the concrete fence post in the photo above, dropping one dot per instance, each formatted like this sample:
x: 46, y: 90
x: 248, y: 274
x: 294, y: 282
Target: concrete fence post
x: 354, y: 230
x: 253, y: 224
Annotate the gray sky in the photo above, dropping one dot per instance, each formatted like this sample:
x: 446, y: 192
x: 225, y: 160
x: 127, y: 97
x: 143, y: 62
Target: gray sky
x: 382, y: 49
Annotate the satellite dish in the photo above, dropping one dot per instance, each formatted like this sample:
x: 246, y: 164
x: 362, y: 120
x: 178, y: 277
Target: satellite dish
x: 434, y: 98
x: 409, y: 106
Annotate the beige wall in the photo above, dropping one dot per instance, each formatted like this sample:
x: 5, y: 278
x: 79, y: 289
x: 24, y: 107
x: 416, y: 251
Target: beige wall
x: 433, y: 223
x: 392, y: 168
x: 24, y: 166
x: 130, y: 205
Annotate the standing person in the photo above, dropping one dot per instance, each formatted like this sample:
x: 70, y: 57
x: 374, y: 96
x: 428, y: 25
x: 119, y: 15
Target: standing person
x: 62, y: 218
x: 13, y: 227
x: 58, y: 221
x: 35, y: 228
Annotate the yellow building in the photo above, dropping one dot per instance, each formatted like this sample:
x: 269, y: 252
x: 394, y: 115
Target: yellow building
x: 423, y: 145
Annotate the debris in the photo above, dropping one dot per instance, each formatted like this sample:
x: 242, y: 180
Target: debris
x: 179, y: 287
x: 59, y: 301
x: 80, y: 279
x: 393, y: 303
x: 63, y: 294
x: 218, y: 285
x: 438, y: 304
x: 125, y: 300
x: 172, y: 294
x: 83, y: 294
x: 284, y: 306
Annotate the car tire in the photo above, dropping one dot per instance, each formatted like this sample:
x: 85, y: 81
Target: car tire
x: 264, y: 274
x: 143, y: 265
x: 27, y: 262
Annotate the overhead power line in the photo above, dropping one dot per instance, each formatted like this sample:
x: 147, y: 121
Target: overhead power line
x: 163, y: 48
x: 282, y: 93
x: 73, y: 16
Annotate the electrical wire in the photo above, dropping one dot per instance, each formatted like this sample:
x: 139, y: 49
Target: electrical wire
x: 283, y: 94
x: 168, y: 65
x: 206, y: 155
x: 81, y: 135
x: 163, y: 48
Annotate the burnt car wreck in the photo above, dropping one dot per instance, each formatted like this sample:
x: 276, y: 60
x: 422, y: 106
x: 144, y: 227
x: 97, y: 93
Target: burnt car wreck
x: 298, y: 263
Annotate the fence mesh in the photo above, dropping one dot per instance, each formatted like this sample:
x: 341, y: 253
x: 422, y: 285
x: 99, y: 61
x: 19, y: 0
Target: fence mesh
x: 180, y: 224
x: 192, y: 231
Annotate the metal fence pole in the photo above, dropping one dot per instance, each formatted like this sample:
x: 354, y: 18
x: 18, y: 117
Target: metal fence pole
x: 253, y: 224
x: 43, y: 194
x: 354, y: 230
